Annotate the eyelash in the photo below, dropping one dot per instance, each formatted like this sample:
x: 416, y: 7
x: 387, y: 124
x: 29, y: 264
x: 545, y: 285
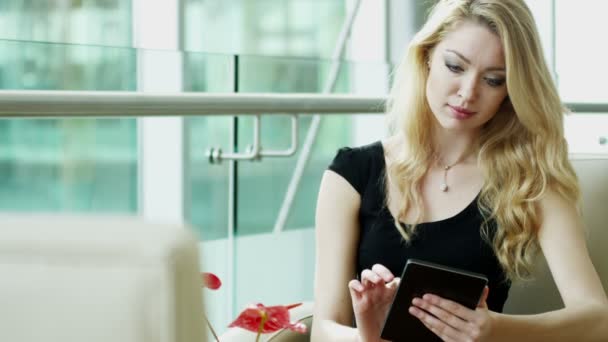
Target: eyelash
x: 490, y: 81
x: 454, y: 68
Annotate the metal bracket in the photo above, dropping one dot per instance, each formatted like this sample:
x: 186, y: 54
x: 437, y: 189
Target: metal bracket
x: 255, y: 151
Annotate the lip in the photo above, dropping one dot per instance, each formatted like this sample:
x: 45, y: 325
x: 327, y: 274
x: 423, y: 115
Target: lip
x: 461, y: 112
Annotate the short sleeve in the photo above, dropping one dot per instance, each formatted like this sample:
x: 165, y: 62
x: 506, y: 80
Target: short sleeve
x: 351, y: 164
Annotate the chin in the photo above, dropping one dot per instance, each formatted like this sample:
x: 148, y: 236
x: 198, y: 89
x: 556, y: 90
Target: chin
x: 455, y: 125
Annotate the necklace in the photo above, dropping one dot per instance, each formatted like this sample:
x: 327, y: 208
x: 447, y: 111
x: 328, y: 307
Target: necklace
x: 444, y: 186
x: 447, y: 167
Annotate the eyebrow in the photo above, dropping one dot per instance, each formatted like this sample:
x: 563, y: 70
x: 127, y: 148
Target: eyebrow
x: 469, y: 62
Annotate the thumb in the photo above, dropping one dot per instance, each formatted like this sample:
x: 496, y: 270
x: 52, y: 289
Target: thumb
x: 484, y: 297
x: 394, y: 283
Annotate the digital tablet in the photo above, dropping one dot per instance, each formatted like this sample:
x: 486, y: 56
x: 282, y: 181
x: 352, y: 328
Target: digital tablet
x: 419, y: 278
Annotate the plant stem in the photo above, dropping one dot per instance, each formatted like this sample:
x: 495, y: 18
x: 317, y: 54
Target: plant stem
x: 211, y: 328
x: 261, y: 327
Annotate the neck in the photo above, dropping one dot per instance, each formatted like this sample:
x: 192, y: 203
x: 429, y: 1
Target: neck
x: 453, y: 147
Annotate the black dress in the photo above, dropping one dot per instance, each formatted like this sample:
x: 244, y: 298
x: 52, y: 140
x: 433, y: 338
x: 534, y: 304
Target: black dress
x: 455, y: 241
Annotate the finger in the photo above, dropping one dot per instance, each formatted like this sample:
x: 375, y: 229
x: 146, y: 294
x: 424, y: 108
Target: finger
x: 439, y: 328
x: 355, y: 288
x: 484, y: 297
x: 394, y: 283
x: 355, y: 285
x: 452, y: 307
x: 370, y: 278
x: 383, y: 272
x: 444, y: 316
x: 438, y: 333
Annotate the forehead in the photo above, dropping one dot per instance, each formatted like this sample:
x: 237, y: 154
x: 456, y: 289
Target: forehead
x: 475, y: 42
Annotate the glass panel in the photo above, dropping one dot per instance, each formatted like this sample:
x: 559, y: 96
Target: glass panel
x: 272, y: 176
x: 67, y: 164
x: 256, y: 30
x: 262, y: 185
x: 263, y: 27
x: 208, y: 183
x: 83, y: 165
x: 94, y: 22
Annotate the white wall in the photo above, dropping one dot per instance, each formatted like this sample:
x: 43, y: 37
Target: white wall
x: 369, y: 75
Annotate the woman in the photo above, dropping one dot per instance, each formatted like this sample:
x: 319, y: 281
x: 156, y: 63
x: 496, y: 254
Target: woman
x: 475, y: 176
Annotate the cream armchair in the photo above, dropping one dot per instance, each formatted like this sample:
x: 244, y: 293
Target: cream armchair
x: 541, y: 294
x: 98, y: 280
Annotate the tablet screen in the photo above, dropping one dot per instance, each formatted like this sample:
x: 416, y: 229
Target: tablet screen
x: 419, y: 278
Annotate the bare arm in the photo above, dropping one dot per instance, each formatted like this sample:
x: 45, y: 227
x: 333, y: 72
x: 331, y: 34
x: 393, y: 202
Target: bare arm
x: 585, y: 316
x: 337, y: 234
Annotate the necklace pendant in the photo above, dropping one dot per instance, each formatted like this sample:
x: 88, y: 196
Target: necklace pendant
x: 444, y: 187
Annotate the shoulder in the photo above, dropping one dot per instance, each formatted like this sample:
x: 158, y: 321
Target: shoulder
x: 394, y: 147
x: 356, y: 164
x: 359, y: 154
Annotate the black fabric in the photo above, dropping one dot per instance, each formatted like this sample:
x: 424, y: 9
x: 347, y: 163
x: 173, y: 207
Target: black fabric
x: 455, y: 242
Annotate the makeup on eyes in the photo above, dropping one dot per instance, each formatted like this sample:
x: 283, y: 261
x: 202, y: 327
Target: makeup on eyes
x: 494, y: 82
x: 455, y: 66
x: 448, y: 56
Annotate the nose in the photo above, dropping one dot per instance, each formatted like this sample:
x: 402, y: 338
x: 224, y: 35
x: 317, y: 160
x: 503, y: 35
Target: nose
x: 468, y: 90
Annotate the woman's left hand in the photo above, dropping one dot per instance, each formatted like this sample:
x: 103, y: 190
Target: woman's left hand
x: 451, y: 321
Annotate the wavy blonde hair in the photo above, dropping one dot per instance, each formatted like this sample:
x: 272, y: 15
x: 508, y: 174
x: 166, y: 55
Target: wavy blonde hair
x: 522, y: 150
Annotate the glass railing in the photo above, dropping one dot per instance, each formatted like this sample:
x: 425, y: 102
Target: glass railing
x: 68, y: 165
x: 92, y: 165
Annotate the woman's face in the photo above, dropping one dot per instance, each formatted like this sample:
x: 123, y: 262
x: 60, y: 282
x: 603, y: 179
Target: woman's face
x: 467, y: 78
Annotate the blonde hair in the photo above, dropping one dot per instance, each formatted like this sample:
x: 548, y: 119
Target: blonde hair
x: 522, y: 150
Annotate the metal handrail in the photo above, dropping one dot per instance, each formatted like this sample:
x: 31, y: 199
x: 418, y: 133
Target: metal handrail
x: 293, y: 147
x: 34, y: 103
x: 23, y: 104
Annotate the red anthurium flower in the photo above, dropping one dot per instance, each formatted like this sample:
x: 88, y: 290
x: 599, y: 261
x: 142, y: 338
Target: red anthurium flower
x: 266, y: 319
x: 211, y: 281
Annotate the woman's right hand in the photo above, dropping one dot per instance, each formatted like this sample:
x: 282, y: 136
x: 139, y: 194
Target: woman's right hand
x: 372, y: 297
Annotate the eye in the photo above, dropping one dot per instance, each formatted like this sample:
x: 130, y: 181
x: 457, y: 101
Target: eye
x: 454, y: 68
x: 495, y: 82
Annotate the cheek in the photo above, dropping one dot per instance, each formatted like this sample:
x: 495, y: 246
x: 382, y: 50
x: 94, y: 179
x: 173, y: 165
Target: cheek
x: 437, y: 88
x: 496, y: 101
x: 492, y: 104
x: 445, y: 84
